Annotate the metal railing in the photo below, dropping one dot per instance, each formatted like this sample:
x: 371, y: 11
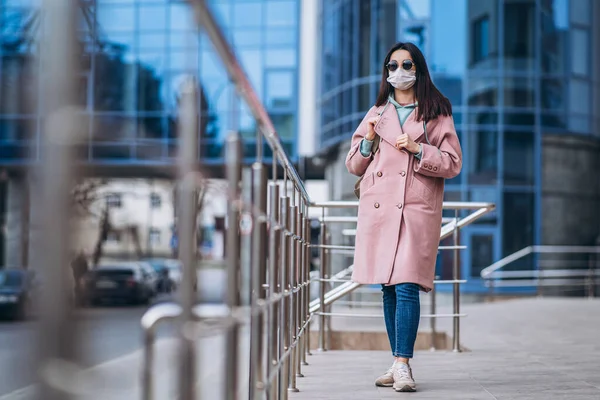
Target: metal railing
x: 450, y: 227
x: 583, y: 272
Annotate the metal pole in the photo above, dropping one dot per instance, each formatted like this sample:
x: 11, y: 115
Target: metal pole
x: 432, y: 320
x: 233, y: 157
x: 293, y: 267
x: 259, y: 191
x: 283, y: 375
x: 300, y: 298
x: 322, y: 318
x: 57, y: 338
x: 273, y: 355
x: 188, y: 159
x: 456, y: 289
x: 307, y: 236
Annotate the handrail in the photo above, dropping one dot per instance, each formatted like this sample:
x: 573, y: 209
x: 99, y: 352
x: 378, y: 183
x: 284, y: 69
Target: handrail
x: 246, y: 91
x: 486, y: 272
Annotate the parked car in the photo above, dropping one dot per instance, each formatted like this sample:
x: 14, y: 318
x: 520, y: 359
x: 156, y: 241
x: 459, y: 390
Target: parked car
x: 169, y: 273
x: 16, y: 292
x: 133, y: 282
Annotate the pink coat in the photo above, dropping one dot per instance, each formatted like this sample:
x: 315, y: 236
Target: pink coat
x: 400, y: 207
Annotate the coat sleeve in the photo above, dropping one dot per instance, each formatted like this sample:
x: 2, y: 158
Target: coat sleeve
x: 356, y: 163
x: 444, y: 161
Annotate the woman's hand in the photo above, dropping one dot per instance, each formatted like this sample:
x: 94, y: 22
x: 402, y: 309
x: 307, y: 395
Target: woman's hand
x: 371, y: 122
x: 405, y: 142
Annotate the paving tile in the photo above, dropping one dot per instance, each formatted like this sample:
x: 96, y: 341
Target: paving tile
x: 521, y: 349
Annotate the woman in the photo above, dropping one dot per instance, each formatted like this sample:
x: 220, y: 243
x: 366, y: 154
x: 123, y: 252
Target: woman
x: 401, y: 195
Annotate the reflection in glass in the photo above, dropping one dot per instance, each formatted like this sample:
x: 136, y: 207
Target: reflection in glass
x: 113, y: 127
x: 152, y: 17
x: 280, y: 89
x: 115, y: 17
x: 553, y: 94
x: 518, y: 158
x: 284, y: 125
x: 480, y: 39
x: 483, y: 91
x: 580, y: 51
x: 482, y: 253
x: 483, y: 157
x: 16, y: 129
x: 519, y: 29
x: 181, y: 17
x: 280, y: 58
x: 519, y: 92
x: 280, y: 37
x: 18, y: 84
x: 519, y: 118
x: 114, y: 83
x: 150, y: 127
x: 554, y: 35
x: 247, y: 14
x: 517, y: 224
x: 281, y: 13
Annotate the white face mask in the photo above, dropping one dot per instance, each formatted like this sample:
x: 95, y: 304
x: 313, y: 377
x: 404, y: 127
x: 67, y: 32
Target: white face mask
x: 402, y: 79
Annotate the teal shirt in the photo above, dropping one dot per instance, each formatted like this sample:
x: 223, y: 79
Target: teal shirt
x: 403, y: 113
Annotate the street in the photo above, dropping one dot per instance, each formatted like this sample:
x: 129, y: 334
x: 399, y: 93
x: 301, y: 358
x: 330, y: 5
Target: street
x: 109, y: 332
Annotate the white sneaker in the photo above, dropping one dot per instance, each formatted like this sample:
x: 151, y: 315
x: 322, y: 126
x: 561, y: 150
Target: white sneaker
x: 403, y: 378
x: 387, y: 379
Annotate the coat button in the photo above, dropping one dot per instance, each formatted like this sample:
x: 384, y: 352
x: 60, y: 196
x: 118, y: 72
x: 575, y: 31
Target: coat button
x: 403, y: 173
x: 376, y: 205
x: 399, y: 205
x: 379, y: 173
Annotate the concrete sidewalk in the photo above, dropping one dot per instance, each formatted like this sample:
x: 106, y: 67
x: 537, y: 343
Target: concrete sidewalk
x: 540, y: 348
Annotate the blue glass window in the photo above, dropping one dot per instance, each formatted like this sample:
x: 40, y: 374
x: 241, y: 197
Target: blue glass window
x: 116, y: 18
x: 248, y: 14
x: 152, y: 17
x: 481, y: 39
x: 280, y: 89
x: 281, y: 13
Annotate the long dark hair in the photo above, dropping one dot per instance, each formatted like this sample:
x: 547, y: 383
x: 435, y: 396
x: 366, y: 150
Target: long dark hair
x: 432, y: 102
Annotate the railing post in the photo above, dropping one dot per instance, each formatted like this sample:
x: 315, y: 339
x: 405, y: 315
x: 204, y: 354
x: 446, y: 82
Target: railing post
x: 322, y: 274
x: 308, y: 250
x: 283, y: 375
x: 273, y: 354
x: 186, y: 222
x: 432, y: 320
x: 57, y: 338
x: 300, y: 286
x: 306, y: 288
x: 292, y: 286
x: 233, y: 156
x: 257, y: 280
x: 456, y: 289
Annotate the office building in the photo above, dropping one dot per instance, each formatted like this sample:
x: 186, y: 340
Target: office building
x: 523, y: 78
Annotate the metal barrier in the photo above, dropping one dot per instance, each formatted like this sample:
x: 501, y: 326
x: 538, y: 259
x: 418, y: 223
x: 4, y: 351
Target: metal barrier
x: 583, y: 273
x: 450, y: 227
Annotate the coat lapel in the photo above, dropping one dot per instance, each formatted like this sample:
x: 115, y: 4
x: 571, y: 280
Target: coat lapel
x: 388, y: 127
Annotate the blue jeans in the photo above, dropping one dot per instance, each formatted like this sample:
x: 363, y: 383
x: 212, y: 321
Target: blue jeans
x: 402, y: 312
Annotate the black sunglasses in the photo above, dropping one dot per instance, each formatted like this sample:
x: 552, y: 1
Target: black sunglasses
x: 407, y: 65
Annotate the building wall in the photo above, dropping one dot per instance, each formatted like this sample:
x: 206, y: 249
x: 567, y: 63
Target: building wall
x: 570, y: 190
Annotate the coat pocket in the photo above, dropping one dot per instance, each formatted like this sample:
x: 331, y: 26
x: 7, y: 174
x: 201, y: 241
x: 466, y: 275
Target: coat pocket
x: 424, y: 187
x: 366, y: 183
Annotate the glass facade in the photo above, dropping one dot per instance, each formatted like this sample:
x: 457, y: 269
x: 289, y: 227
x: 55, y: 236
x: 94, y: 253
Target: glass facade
x: 134, y: 55
x: 514, y: 70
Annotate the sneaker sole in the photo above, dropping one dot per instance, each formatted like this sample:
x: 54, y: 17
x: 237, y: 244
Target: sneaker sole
x: 383, y: 384
x: 406, y: 388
